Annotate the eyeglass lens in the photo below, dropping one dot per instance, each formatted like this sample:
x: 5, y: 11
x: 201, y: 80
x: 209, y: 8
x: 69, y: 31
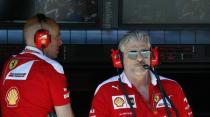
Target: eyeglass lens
x: 133, y: 54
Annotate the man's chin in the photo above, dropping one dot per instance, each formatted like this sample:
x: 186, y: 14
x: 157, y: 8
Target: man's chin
x: 140, y: 68
x: 140, y: 73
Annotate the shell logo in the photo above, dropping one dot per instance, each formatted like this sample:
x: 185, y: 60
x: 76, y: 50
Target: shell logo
x: 119, y: 102
x: 12, y: 97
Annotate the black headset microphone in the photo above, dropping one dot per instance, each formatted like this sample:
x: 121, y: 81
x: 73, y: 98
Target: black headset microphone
x: 163, y: 93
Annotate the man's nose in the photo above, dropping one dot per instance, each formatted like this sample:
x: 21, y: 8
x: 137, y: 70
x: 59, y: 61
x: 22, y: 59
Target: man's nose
x: 139, y: 57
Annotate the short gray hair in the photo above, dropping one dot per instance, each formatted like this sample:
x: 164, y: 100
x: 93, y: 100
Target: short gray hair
x: 133, y: 36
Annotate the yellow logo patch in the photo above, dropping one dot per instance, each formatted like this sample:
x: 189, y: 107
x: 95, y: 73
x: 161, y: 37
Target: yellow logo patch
x: 156, y: 98
x: 13, y: 64
x: 12, y: 97
x: 119, y: 102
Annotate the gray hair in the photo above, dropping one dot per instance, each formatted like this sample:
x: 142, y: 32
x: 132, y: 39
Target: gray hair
x: 133, y: 36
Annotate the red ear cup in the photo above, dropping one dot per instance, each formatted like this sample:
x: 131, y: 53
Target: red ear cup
x: 116, y: 58
x: 42, y: 38
x: 154, y: 57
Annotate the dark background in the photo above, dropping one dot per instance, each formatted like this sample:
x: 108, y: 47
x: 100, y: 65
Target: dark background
x: 90, y: 28
x: 88, y: 65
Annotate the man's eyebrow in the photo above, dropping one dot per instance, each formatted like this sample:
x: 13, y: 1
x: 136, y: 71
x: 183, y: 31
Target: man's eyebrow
x: 145, y: 49
x: 133, y: 51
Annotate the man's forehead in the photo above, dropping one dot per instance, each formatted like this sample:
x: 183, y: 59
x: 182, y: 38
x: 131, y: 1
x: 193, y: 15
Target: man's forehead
x: 137, y: 44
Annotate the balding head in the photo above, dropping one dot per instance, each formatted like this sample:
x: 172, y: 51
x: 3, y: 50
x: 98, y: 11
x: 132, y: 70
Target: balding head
x: 33, y: 24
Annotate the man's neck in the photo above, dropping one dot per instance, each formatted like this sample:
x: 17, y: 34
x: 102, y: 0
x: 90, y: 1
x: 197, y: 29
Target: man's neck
x: 141, y: 82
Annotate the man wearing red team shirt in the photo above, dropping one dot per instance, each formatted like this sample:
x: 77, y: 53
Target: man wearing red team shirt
x: 32, y: 83
x: 135, y: 92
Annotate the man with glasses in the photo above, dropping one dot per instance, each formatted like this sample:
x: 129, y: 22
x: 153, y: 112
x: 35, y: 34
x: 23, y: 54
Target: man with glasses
x: 135, y: 92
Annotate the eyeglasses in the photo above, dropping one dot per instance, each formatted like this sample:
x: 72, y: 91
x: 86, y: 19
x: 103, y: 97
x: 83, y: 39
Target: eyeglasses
x: 133, y: 54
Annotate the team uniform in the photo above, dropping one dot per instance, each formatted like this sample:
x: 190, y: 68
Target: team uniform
x: 32, y: 84
x: 109, y: 100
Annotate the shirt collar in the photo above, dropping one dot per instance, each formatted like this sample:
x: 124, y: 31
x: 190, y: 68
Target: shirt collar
x: 124, y: 79
x: 31, y: 49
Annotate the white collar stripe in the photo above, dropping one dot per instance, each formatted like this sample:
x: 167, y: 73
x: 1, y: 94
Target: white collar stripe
x: 40, y: 55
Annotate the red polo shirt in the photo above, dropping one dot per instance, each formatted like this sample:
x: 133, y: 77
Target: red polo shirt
x: 31, y: 85
x: 109, y: 100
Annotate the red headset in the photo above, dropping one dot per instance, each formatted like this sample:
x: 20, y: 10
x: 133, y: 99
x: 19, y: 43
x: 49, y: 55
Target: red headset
x: 154, y: 57
x: 42, y: 37
x: 117, y: 57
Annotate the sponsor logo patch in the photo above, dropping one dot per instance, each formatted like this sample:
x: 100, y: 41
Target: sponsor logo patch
x: 17, y: 74
x: 156, y: 98
x: 12, y: 97
x: 13, y: 64
x: 20, y: 72
x: 120, y: 102
x: 65, y: 96
x: 160, y: 103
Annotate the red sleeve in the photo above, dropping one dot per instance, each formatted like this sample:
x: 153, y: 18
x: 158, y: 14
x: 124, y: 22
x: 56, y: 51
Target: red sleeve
x: 99, y: 105
x: 183, y: 106
x: 58, y: 89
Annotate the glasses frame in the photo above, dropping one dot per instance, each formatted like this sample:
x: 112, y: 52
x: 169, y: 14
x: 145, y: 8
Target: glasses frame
x: 133, y: 54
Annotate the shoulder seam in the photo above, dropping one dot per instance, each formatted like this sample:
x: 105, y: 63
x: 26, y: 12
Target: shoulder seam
x: 112, y: 79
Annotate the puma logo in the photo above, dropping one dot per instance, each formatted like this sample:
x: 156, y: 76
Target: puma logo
x: 115, y: 87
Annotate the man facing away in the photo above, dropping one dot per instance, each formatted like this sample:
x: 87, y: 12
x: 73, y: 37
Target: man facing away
x: 32, y: 84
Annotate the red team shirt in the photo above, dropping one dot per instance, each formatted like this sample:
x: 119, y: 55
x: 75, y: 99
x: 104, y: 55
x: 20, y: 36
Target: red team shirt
x: 109, y: 100
x: 31, y: 85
